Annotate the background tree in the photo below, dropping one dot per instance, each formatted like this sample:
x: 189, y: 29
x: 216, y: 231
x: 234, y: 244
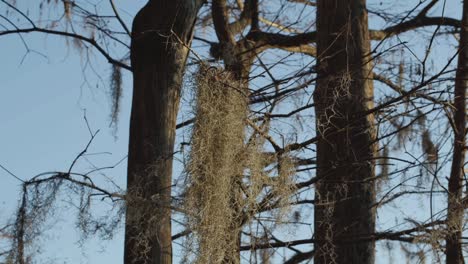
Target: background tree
x: 455, y: 207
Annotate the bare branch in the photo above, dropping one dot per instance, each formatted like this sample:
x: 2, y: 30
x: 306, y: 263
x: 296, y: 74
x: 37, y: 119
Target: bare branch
x: 91, y: 41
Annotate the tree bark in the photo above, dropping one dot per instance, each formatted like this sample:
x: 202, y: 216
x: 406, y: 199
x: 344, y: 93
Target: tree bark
x: 454, y: 254
x: 345, y: 149
x: 162, y: 31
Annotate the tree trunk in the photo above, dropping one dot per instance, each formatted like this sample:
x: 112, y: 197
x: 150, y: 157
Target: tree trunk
x: 345, y: 192
x: 455, y: 207
x: 158, y: 59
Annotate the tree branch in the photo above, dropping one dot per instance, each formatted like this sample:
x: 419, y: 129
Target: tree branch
x: 114, y: 8
x: 90, y: 41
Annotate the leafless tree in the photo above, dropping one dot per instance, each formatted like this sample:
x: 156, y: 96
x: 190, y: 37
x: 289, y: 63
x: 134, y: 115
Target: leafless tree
x: 317, y: 114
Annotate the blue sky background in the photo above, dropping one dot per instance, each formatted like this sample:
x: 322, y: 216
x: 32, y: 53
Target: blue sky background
x: 42, y: 108
x: 42, y: 105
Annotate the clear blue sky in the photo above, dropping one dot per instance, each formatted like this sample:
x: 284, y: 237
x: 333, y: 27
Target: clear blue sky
x: 41, y: 108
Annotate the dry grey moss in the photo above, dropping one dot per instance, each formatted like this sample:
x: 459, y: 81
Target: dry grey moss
x: 226, y: 175
x: 214, y: 165
x: 115, y: 93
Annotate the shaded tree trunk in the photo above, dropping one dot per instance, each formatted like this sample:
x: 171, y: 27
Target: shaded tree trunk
x: 345, y: 192
x: 455, y: 207
x: 158, y: 60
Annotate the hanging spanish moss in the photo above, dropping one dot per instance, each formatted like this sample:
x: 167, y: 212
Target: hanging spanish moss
x: 227, y: 173
x: 215, y: 165
x: 116, y: 95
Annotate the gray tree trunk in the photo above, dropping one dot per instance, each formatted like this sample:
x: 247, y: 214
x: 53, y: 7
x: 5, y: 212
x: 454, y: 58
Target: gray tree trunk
x: 158, y: 61
x: 454, y: 254
x: 345, y: 192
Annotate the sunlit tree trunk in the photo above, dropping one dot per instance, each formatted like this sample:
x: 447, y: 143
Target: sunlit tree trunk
x: 161, y: 33
x: 455, y: 207
x: 345, y: 192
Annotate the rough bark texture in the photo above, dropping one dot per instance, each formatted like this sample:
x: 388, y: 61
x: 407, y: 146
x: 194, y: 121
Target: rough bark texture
x: 455, y: 207
x: 346, y: 190
x: 161, y: 32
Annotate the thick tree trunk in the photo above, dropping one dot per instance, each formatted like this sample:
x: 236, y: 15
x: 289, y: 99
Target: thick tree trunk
x: 158, y: 60
x: 346, y: 189
x: 455, y: 207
